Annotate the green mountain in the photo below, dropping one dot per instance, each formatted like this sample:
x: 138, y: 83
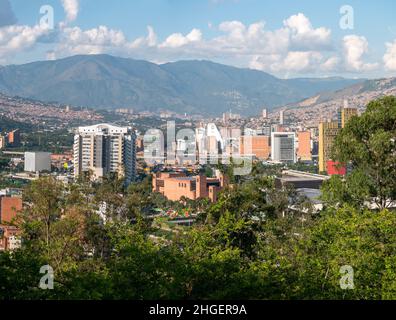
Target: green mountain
x: 195, y: 87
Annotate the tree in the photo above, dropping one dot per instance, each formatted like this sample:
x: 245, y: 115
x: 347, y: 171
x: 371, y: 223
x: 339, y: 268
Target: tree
x: 368, y: 143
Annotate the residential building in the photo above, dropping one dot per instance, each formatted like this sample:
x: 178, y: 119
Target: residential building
x: 283, y: 146
x: 37, y: 161
x: 265, y: 113
x: 103, y: 149
x: 9, y: 238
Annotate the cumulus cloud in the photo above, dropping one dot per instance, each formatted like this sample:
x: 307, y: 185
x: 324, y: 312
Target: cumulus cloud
x: 71, y: 8
x: 303, y: 35
x: 390, y: 56
x: 355, y: 47
x: 177, y: 40
x: 16, y: 38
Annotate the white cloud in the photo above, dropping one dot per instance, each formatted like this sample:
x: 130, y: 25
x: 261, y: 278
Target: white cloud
x: 177, y: 40
x: 295, y: 48
x: 16, y: 38
x: 92, y: 41
x: 303, y: 35
x: 71, y: 8
x: 390, y: 56
x: 355, y: 47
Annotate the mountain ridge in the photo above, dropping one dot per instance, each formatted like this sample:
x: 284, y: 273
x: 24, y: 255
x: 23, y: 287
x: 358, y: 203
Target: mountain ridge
x: 191, y: 86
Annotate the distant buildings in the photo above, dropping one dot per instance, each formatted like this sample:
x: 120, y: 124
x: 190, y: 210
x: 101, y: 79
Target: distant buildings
x: 37, y: 161
x: 103, y: 149
x: 175, y: 186
x: 265, y: 113
x: 283, y: 146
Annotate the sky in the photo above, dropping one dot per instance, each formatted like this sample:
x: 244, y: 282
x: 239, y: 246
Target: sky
x: 286, y: 38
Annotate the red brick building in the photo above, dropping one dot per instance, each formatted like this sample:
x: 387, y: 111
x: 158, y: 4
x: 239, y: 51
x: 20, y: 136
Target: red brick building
x: 9, y: 207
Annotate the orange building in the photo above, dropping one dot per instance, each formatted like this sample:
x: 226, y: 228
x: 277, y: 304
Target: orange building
x: 255, y: 145
x: 304, y: 146
x: 14, y: 138
x: 9, y: 207
x: 174, y: 186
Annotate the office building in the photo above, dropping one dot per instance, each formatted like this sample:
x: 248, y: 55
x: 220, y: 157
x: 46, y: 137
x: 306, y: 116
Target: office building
x: 283, y: 146
x: 304, y: 151
x: 258, y: 146
x: 327, y: 134
x: 105, y: 149
x: 346, y: 115
x: 37, y: 161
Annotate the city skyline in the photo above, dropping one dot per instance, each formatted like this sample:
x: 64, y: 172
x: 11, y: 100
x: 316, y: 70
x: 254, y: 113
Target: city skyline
x: 292, y: 40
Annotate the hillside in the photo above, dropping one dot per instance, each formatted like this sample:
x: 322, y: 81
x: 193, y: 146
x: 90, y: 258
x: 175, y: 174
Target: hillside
x: 324, y: 105
x: 196, y: 87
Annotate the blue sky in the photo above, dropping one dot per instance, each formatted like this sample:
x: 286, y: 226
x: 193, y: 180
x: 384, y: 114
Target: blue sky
x: 287, y: 38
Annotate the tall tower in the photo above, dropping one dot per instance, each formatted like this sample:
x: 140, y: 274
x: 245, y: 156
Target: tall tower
x: 327, y: 133
x: 103, y: 149
x: 282, y: 117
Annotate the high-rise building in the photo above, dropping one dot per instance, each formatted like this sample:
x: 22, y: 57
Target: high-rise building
x: 304, y: 151
x: 265, y: 113
x: 258, y: 146
x: 14, y: 138
x: 327, y: 133
x: 282, y: 117
x: 283, y: 146
x: 346, y: 115
x: 103, y: 149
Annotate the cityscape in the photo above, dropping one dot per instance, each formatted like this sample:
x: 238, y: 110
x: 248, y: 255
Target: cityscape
x: 187, y: 169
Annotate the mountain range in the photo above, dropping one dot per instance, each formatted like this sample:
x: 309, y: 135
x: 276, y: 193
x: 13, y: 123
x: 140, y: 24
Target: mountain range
x: 194, y: 87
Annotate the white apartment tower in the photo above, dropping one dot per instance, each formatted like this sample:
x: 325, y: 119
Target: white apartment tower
x: 103, y: 149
